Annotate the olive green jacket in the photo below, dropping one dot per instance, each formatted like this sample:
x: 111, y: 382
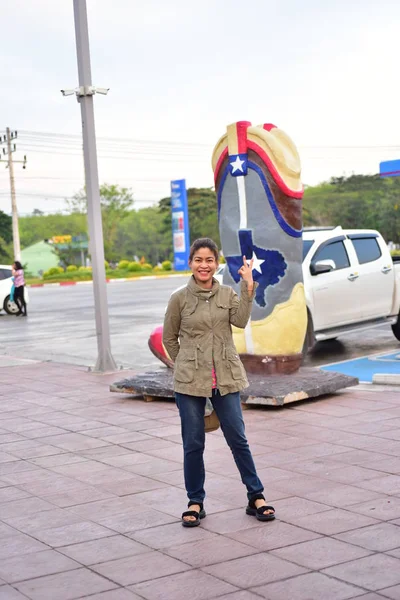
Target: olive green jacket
x: 197, y: 334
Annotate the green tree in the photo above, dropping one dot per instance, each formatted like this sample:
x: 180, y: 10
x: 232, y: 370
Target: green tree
x: 5, y: 227
x: 203, y: 217
x: 116, y: 204
x: 66, y: 255
x: 141, y: 234
x: 358, y: 201
x: 6, y: 250
x: 43, y: 227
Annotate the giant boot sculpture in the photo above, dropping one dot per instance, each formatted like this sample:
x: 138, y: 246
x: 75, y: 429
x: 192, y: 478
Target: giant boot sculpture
x: 259, y: 191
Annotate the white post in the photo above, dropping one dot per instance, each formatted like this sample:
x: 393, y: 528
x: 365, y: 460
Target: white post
x: 105, y: 361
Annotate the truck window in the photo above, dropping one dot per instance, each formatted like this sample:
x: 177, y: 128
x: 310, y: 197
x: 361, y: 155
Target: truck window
x: 334, y: 251
x: 367, y: 249
x: 306, y: 247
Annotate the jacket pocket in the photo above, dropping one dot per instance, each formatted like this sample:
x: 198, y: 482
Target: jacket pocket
x: 221, y: 304
x: 223, y: 301
x: 236, y: 366
x: 185, y: 371
x: 185, y: 366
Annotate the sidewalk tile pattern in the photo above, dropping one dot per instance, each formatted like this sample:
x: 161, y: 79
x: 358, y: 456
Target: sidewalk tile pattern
x: 91, y: 492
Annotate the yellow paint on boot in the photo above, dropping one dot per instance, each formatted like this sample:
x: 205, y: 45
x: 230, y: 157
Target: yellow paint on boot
x: 282, y: 332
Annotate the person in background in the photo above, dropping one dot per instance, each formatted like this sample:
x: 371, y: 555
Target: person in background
x: 19, y: 284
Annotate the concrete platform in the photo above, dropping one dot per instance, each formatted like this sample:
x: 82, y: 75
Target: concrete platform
x: 269, y: 390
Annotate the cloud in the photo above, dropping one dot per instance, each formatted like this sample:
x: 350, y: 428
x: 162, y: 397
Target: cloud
x: 181, y: 71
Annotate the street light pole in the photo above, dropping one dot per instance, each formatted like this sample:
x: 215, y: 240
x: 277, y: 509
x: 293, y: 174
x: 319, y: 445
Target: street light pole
x: 85, y: 92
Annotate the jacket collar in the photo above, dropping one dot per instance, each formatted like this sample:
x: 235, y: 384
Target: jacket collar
x: 200, y: 292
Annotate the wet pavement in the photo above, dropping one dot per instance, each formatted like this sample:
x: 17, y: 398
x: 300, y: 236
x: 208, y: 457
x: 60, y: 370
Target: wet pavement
x: 61, y: 327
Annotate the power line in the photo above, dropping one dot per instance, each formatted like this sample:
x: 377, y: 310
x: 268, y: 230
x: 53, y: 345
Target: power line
x: 161, y: 152
x: 80, y: 179
x: 142, y: 157
x: 113, y: 139
x: 45, y: 196
x: 197, y: 145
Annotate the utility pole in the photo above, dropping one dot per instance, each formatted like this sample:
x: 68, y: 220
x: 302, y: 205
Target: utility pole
x: 85, y: 91
x: 7, y: 139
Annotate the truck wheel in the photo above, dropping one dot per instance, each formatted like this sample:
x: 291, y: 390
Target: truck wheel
x: 10, y: 307
x: 396, y: 329
x: 309, y: 340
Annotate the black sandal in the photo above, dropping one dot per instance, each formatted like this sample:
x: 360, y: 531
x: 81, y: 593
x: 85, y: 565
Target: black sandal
x: 259, y: 513
x: 193, y: 513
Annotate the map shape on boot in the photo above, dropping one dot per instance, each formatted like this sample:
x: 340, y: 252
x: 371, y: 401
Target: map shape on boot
x: 268, y: 267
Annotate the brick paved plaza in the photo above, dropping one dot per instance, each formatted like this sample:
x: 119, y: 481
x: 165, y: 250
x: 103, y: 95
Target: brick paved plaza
x: 91, y: 492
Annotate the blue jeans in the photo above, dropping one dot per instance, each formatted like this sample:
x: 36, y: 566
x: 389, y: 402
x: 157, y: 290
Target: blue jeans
x: 229, y: 412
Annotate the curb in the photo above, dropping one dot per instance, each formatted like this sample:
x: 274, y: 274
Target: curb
x: 386, y: 379
x: 116, y: 280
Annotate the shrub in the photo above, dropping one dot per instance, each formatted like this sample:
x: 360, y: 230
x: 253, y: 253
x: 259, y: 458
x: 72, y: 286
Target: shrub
x: 147, y: 267
x: 106, y: 264
x: 166, y: 265
x: 157, y: 269
x: 71, y: 268
x: 123, y: 264
x: 134, y: 267
x: 85, y: 269
x: 222, y: 260
x: 74, y: 276
x: 53, y: 271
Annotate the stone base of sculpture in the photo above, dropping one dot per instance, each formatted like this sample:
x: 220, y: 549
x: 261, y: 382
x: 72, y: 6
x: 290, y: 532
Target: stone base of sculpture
x: 264, y: 390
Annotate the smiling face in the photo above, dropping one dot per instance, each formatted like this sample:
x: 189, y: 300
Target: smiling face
x: 203, y: 266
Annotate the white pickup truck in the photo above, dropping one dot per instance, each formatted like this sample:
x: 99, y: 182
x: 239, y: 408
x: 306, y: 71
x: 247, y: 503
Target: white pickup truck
x: 351, y: 282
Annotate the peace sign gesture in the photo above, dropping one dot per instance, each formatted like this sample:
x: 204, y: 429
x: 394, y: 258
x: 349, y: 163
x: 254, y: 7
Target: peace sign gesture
x: 246, y: 271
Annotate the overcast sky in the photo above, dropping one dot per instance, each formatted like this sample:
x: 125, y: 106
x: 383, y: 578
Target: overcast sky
x: 179, y: 71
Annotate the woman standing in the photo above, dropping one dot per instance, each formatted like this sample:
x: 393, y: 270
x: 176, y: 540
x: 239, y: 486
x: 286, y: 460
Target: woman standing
x: 197, y: 335
x: 19, y: 284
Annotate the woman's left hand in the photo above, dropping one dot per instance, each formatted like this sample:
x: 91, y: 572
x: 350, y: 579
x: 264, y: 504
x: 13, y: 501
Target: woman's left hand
x: 246, y: 272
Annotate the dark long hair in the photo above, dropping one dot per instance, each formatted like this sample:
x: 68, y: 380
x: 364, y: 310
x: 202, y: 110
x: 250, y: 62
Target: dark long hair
x: 18, y: 266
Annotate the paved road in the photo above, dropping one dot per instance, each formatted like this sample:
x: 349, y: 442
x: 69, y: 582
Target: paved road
x: 60, y: 326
